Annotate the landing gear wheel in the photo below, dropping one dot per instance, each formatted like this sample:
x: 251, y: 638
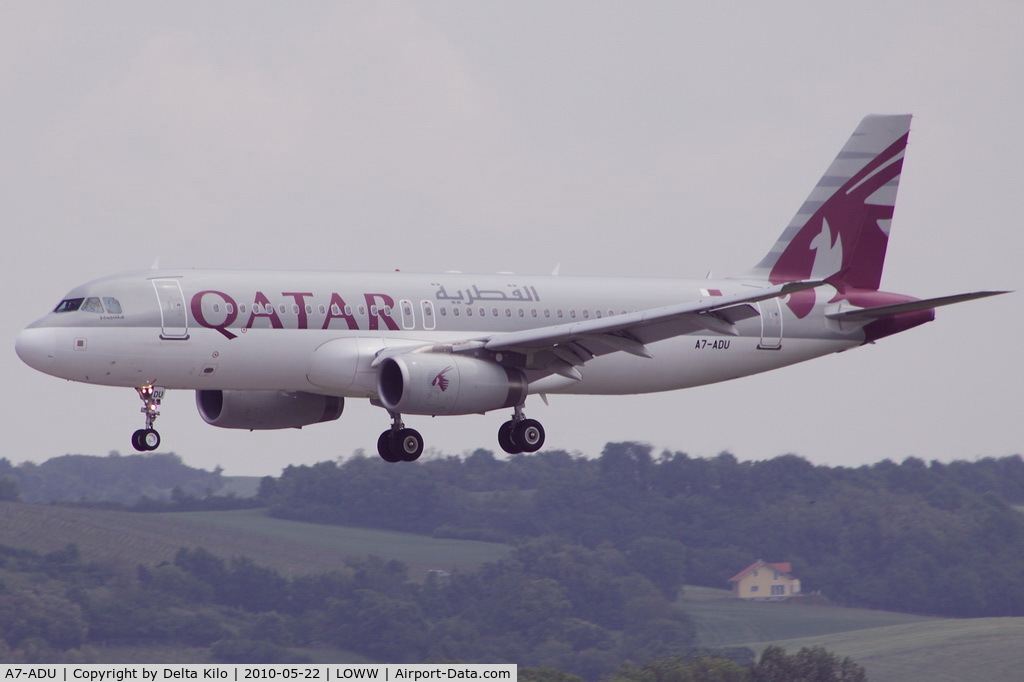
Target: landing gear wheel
x: 505, y: 438
x: 407, y: 444
x: 145, y: 440
x: 528, y: 434
x: 399, y: 444
x: 384, y: 448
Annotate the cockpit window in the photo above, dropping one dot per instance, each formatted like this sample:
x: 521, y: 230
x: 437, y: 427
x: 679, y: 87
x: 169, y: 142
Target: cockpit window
x: 89, y: 305
x: 69, y: 305
x: 92, y: 305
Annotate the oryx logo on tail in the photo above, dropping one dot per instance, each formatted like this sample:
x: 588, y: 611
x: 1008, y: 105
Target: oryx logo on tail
x: 843, y: 226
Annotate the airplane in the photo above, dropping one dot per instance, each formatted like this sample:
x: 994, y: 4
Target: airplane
x: 273, y: 349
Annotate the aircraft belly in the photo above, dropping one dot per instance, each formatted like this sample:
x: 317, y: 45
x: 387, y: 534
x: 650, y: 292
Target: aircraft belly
x: 137, y: 356
x: 690, y: 361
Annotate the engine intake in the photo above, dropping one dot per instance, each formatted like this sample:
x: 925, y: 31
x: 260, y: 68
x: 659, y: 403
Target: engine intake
x: 259, y: 410
x: 424, y: 383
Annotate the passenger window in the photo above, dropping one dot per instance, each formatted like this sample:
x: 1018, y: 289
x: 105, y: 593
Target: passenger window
x: 92, y: 305
x: 113, y: 305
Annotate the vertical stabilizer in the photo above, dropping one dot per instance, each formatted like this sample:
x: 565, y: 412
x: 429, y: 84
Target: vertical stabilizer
x: 843, y: 226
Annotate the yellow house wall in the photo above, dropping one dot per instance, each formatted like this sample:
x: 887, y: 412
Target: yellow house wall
x: 763, y: 579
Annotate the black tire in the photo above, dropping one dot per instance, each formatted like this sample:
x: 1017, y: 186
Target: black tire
x: 384, y: 448
x: 528, y: 435
x: 407, y: 444
x: 149, y: 439
x: 505, y: 439
x: 137, y: 441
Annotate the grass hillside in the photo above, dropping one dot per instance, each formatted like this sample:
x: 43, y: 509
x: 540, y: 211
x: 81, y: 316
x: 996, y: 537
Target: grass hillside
x: 937, y: 651
x: 722, y: 620
x: 893, y: 647
x: 119, y: 538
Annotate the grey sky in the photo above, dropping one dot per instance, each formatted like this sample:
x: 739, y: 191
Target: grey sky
x: 614, y: 138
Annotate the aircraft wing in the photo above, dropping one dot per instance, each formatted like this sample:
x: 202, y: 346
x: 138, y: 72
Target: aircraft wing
x: 560, y: 348
x: 716, y: 313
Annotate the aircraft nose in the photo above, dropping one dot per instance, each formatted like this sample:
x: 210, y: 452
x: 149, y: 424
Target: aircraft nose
x: 36, y: 346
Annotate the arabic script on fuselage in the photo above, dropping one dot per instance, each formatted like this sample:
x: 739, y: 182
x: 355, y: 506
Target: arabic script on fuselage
x: 515, y: 294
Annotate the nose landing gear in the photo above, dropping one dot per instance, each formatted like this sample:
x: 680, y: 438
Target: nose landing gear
x: 148, y: 439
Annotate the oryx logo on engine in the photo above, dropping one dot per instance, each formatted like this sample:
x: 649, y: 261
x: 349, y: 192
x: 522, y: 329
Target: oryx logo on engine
x: 441, y: 381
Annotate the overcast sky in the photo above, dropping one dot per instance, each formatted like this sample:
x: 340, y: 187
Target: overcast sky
x: 652, y: 138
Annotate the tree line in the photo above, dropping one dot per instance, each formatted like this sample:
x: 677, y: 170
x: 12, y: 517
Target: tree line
x: 927, y: 538
x: 561, y: 612
x: 115, y: 480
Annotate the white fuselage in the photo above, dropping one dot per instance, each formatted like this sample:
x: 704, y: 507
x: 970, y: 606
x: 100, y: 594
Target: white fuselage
x: 261, y: 330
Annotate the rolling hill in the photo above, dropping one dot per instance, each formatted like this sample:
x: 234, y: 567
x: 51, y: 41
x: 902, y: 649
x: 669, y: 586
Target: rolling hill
x: 892, y: 647
x: 125, y: 539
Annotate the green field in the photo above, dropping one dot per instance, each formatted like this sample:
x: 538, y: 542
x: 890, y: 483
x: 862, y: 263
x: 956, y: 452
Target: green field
x: 893, y: 647
x: 722, y: 620
x: 945, y: 649
x: 126, y: 539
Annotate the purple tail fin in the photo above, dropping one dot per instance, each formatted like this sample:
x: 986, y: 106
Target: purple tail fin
x: 843, y: 226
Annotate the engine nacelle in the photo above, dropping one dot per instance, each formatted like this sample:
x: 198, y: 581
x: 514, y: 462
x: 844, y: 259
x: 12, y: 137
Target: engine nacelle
x: 430, y: 383
x: 266, y: 409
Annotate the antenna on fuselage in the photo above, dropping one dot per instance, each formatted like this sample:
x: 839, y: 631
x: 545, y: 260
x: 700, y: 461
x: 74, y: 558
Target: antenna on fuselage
x: 156, y: 264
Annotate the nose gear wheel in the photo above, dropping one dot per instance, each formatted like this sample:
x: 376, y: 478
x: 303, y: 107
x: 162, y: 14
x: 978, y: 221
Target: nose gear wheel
x: 147, y: 439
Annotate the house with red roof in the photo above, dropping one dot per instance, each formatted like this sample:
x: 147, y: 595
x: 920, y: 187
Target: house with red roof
x: 767, y: 581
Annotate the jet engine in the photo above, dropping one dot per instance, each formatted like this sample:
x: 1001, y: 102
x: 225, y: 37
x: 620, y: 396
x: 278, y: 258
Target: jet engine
x: 267, y: 409
x: 432, y: 383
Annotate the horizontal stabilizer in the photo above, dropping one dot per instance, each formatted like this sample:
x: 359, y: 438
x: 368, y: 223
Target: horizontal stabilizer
x: 886, y: 310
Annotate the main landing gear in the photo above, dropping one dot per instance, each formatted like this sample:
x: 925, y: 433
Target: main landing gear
x: 520, y: 434
x: 517, y: 435
x: 399, y: 444
x: 148, y: 439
